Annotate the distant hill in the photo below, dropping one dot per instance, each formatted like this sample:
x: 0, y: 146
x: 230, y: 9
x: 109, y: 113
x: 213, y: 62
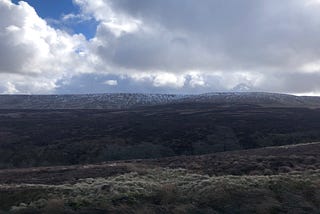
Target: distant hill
x: 85, y: 101
x: 256, y: 98
x: 127, y: 100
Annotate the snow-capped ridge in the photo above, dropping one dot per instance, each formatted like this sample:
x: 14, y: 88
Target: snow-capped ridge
x: 130, y: 100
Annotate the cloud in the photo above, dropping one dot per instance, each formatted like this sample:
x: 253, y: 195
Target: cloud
x: 211, y: 34
x: 164, y: 46
x: 111, y: 82
x: 34, y: 55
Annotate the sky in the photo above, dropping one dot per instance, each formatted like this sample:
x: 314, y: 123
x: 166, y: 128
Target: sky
x: 159, y: 46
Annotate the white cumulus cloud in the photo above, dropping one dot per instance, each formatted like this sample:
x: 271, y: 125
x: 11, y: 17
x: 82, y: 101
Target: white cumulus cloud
x: 33, y: 55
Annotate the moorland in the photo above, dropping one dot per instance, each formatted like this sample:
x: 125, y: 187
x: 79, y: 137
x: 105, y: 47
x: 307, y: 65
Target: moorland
x: 222, y: 153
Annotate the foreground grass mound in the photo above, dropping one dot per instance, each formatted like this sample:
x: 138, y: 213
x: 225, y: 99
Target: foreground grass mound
x: 162, y: 190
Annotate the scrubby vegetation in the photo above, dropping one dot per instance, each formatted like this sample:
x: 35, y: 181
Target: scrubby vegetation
x: 264, y: 161
x: 185, y: 184
x: 171, y: 191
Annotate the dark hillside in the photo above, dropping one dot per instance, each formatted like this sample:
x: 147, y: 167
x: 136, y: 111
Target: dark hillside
x: 62, y: 137
x: 263, y: 161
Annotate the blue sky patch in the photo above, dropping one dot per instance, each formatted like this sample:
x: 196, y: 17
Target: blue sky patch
x: 53, y: 11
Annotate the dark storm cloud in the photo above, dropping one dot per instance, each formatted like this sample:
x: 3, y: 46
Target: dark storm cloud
x: 219, y: 34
